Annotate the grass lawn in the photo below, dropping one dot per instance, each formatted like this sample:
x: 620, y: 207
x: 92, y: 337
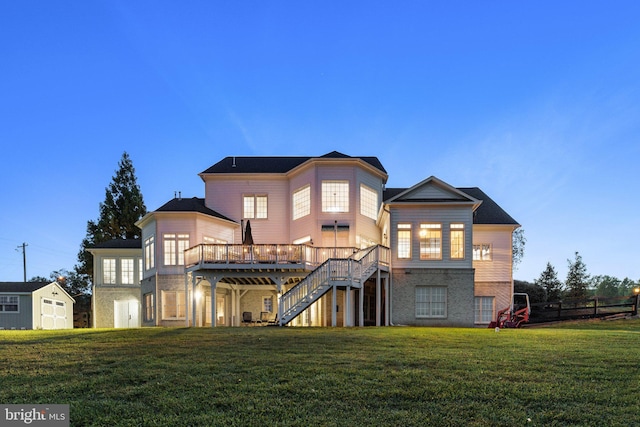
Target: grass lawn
x: 574, y: 375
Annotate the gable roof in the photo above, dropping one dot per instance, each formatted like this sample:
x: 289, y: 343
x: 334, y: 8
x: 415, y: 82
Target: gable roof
x: 430, y: 190
x: 489, y: 212
x: 21, y: 286
x: 278, y: 164
x: 195, y: 204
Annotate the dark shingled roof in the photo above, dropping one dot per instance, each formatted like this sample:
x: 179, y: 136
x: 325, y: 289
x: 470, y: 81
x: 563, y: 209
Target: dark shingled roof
x: 276, y: 164
x: 119, y: 244
x: 195, y: 204
x: 21, y: 286
x: 489, y: 212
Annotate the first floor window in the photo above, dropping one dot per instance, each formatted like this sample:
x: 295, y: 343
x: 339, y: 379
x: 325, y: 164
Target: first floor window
x: 430, y: 241
x: 404, y: 241
x: 126, y: 271
x: 457, y: 241
x: 149, y: 253
x: 9, y: 304
x: 173, y: 305
x: 482, y: 252
x: 267, y: 304
x: 109, y: 271
x: 431, y: 301
x: 302, y: 202
x: 484, y: 307
x: 254, y: 206
x: 147, y: 306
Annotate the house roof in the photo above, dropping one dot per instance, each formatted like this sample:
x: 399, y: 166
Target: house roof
x: 489, y: 212
x: 21, y: 286
x: 278, y: 164
x: 119, y: 244
x: 195, y: 204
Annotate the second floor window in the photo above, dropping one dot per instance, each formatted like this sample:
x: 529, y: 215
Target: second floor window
x: 149, y: 253
x: 254, y: 206
x: 126, y: 271
x: 335, y: 196
x: 404, y: 241
x: 174, y: 247
x: 482, y: 252
x: 430, y: 241
x: 109, y: 271
x: 368, y: 202
x: 457, y: 241
x: 302, y: 202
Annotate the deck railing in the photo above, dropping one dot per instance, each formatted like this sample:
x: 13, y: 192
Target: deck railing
x: 216, y: 253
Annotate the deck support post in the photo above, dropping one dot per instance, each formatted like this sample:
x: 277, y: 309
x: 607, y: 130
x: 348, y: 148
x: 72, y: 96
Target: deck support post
x: 334, y: 308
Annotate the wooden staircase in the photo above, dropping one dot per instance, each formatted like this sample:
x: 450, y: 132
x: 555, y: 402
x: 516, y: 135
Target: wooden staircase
x: 352, y: 271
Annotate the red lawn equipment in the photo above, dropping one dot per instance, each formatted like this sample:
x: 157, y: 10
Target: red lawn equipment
x: 515, y: 315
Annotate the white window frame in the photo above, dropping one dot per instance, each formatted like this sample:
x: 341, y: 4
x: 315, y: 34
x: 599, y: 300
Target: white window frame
x: 255, y: 206
x: 431, y: 302
x: 178, y: 309
x: 484, y: 309
x: 174, y: 246
x: 267, y: 303
x: 149, y: 253
x: 335, y: 196
x: 9, y: 300
x: 482, y: 252
x: 127, y: 271
x: 368, y: 202
x: 431, y: 241
x: 109, y: 271
x: 404, y: 241
x: 457, y: 244
x: 301, y: 202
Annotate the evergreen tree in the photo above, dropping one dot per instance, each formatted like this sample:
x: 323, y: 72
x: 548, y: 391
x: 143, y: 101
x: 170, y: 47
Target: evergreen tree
x: 548, y: 280
x: 577, y: 279
x: 122, y: 207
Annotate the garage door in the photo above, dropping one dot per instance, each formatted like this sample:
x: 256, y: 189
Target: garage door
x: 54, y: 314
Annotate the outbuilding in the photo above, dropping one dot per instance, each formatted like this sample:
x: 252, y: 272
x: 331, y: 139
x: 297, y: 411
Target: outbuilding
x: 35, y: 305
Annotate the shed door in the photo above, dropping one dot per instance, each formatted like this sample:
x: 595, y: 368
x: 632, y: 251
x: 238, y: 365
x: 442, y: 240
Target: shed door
x: 53, y: 314
x: 125, y: 314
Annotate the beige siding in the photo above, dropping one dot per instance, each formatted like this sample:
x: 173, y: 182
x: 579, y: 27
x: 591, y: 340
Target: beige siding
x: 500, y: 290
x: 499, y: 268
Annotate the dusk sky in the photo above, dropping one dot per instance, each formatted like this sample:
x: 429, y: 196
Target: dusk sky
x: 535, y: 102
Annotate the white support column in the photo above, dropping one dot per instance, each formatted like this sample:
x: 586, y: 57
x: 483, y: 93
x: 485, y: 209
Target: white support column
x: 378, y: 298
x: 234, y: 314
x: 334, y: 302
x: 347, y: 307
x: 214, y: 303
x: 186, y: 297
x: 361, y: 305
x: 387, y: 299
x: 193, y: 300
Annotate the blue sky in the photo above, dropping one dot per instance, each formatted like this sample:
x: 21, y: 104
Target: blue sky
x: 535, y: 102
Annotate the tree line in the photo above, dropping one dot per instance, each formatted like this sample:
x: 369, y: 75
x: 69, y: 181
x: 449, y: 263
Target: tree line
x: 578, y: 284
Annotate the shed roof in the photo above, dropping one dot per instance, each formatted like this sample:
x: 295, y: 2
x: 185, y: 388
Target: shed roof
x: 21, y: 286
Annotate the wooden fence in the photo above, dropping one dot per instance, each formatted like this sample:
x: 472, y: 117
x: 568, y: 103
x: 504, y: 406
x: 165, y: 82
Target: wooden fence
x: 584, y: 309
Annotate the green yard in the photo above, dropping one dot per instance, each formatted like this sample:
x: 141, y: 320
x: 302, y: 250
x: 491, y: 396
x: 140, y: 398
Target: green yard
x: 581, y: 374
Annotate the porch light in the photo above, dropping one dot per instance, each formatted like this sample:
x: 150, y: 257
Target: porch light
x: 636, y: 291
x: 198, y: 295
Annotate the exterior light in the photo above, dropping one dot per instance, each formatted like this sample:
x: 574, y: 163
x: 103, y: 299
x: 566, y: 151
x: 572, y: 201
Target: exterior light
x: 636, y: 290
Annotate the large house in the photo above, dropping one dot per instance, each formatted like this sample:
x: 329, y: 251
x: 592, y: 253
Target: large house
x: 310, y: 241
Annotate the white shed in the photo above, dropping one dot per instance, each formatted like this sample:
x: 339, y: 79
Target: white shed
x: 35, y: 305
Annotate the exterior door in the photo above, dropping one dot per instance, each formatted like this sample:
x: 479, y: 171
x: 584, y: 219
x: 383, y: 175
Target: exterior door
x: 53, y: 314
x: 125, y: 314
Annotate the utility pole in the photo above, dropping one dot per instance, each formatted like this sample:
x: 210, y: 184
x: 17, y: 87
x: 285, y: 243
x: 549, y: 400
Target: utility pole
x: 24, y: 259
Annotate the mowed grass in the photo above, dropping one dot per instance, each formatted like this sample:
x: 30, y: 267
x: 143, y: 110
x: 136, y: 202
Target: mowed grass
x: 399, y: 376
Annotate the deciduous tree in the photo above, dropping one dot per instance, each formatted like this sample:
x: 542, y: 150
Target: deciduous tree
x: 518, y: 244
